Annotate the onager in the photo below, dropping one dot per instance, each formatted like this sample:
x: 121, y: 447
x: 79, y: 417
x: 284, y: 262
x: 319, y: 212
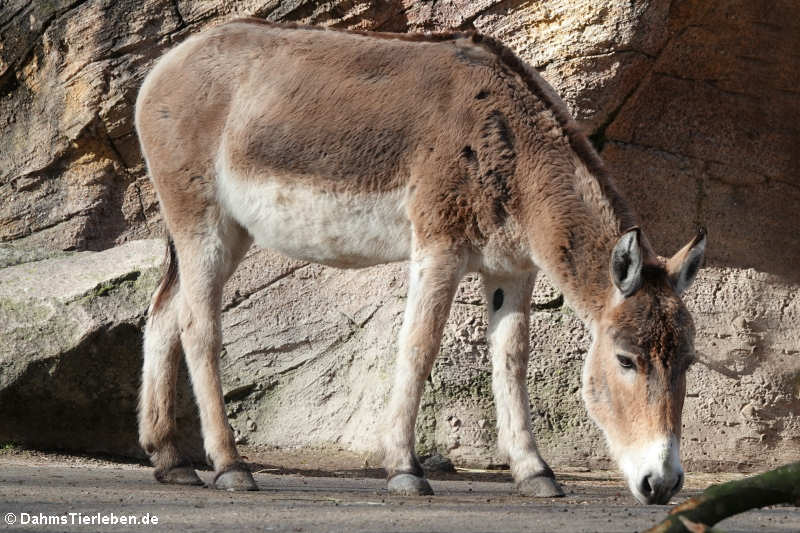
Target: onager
x: 352, y: 149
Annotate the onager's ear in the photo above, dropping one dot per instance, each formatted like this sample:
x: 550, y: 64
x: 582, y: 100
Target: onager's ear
x: 626, y: 262
x: 683, y: 266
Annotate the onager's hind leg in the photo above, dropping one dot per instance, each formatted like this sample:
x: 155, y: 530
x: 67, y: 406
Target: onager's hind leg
x: 189, y: 313
x: 157, y: 429
x: 509, y: 304
x: 431, y: 287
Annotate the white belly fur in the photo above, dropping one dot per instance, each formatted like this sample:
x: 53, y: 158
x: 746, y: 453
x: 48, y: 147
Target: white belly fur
x: 346, y: 231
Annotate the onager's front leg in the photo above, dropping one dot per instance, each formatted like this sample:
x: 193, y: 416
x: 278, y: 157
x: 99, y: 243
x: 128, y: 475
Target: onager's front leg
x: 432, y: 284
x: 509, y: 304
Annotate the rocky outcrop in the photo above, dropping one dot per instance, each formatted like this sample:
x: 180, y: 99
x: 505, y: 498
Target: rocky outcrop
x: 694, y: 106
x: 70, y: 343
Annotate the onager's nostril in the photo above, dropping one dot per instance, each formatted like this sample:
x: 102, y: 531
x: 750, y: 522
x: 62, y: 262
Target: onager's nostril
x: 646, y: 487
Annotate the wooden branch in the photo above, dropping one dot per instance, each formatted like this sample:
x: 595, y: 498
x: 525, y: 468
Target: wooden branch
x: 718, y: 502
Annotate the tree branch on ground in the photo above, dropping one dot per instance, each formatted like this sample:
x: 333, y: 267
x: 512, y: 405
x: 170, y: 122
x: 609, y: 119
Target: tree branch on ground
x: 698, y: 514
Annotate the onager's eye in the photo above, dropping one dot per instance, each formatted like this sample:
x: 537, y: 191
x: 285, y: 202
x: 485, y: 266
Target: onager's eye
x: 625, y: 361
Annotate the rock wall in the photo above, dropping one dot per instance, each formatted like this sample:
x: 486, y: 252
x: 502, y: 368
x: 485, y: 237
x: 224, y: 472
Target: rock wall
x: 694, y: 107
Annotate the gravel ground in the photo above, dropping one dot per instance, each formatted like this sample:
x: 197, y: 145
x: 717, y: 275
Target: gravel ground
x: 323, y: 491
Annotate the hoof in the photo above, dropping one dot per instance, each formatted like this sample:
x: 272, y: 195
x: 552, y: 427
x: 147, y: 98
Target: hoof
x: 541, y: 486
x: 179, y: 475
x: 235, y: 478
x: 409, y: 485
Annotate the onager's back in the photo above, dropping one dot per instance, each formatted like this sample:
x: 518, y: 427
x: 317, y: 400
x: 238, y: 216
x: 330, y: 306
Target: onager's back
x: 352, y: 149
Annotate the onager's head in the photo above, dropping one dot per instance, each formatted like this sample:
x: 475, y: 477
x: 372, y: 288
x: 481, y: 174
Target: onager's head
x: 634, y: 378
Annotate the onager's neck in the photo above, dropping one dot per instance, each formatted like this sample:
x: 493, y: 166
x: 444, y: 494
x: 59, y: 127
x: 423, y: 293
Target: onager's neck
x: 575, y: 219
x: 571, y: 214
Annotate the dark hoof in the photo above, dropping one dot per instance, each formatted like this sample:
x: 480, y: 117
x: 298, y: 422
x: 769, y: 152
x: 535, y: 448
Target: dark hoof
x: 179, y: 475
x: 409, y: 485
x: 235, y: 478
x: 540, y: 486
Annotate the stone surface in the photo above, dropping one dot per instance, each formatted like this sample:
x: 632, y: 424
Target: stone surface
x: 70, y: 349
x: 694, y: 105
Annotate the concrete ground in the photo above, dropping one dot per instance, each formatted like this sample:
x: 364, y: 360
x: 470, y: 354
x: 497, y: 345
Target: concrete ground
x: 312, y: 492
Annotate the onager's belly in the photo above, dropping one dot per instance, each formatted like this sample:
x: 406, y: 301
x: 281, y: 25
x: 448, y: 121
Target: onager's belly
x: 336, y: 229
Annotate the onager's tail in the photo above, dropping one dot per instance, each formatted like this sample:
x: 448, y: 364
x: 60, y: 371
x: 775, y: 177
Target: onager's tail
x: 168, y: 281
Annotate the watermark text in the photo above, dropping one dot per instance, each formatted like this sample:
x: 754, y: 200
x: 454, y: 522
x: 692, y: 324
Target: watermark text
x: 80, y: 519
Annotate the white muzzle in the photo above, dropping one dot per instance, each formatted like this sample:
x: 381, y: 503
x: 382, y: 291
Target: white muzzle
x: 653, y: 471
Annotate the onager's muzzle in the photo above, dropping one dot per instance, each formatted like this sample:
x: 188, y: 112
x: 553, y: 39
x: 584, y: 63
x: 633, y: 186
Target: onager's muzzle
x: 654, y: 471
